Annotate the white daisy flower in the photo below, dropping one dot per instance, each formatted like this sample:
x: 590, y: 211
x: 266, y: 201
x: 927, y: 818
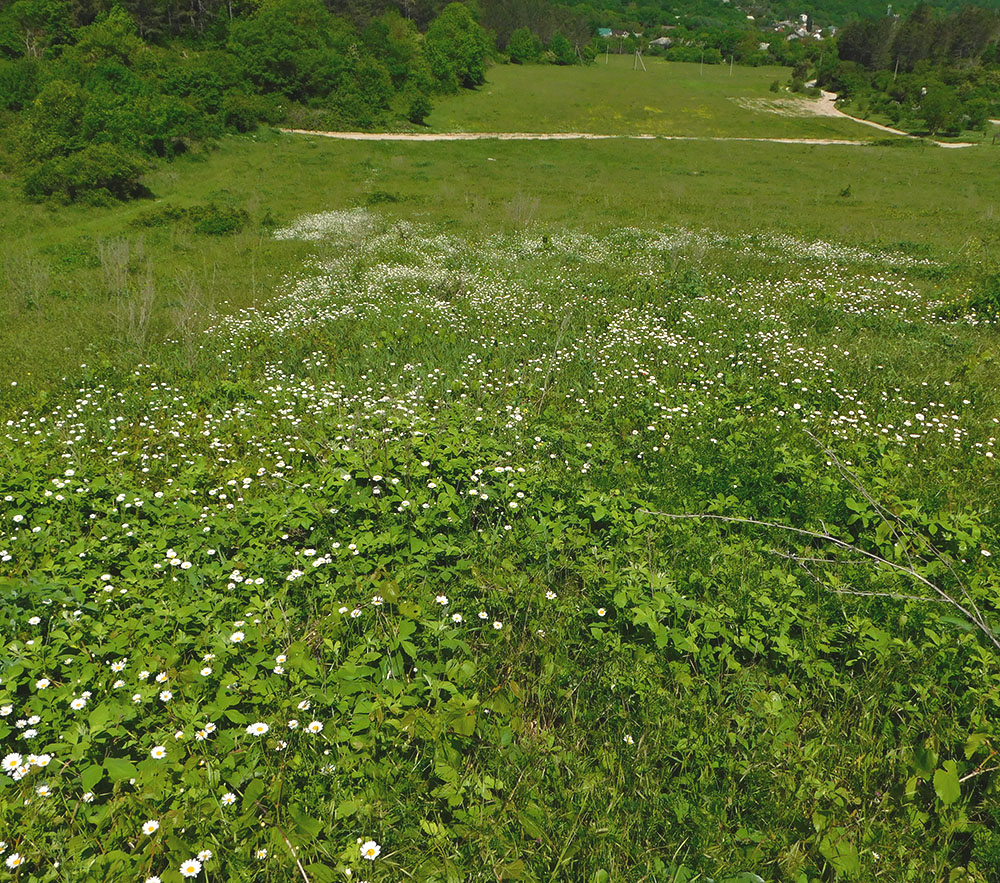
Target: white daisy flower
x: 190, y: 868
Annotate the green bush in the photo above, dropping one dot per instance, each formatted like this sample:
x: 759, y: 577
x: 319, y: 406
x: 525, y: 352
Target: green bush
x: 523, y: 46
x: 217, y: 220
x: 244, y: 112
x: 98, y: 172
x: 209, y: 219
x: 457, y: 48
x: 563, y: 50
x: 18, y: 82
x: 419, y: 107
x: 985, y: 297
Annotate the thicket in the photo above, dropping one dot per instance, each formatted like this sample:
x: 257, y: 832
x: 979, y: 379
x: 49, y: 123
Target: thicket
x: 927, y: 71
x: 91, y: 98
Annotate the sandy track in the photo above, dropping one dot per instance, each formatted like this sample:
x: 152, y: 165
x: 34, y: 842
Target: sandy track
x: 550, y: 136
x: 823, y: 107
x: 826, y: 107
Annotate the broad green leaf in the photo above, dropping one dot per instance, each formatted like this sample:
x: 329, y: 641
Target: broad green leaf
x: 946, y: 784
x: 119, y: 768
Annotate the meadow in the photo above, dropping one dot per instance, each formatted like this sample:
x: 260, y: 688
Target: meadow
x: 339, y: 525
x: 668, y: 98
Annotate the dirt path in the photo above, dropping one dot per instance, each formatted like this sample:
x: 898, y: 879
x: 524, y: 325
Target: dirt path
x: 826, y: 107
x: 823, y: 107
x: 550, y: 136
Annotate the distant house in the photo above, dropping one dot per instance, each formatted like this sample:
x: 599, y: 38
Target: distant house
x: 604, y: 32
x: 662, y: 42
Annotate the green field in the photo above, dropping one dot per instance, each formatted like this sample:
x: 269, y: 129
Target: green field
x: 351, y: 529
x: 58, y: 302
x: 668, y: 98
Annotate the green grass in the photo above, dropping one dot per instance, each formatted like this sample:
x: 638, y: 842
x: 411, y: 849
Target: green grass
x: 57, y: 311
x: 409, y: 483
x: 669, y: 98
x: 497, y: 422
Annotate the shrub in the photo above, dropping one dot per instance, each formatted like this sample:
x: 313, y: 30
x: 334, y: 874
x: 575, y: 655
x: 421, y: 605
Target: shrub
x: 244, y: 112
x: 563, y: 50
x: 420, y: 106
x: 209, y: 219
x: 18, y: 83
x: 457, y: 48
x: 98, y: 172
x: 523, y: 46
x: 985, y: 297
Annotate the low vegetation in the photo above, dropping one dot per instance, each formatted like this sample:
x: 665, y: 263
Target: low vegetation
x: 363, y: 511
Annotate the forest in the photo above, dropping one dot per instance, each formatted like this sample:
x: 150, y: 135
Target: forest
x: 926, y: 71
x: 90, y: 96
x: 92, y: 93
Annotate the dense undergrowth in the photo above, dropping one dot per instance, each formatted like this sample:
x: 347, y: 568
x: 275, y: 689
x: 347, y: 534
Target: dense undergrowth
x: 387, y: 561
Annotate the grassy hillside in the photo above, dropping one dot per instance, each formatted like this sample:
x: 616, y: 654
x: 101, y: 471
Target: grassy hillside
x: 351, y: 546
x: 62, y: 301
x: 668, y: 98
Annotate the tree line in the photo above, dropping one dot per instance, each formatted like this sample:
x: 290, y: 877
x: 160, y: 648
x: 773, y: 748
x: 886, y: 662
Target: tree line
x: 927, y: 71
x: 89, y: 97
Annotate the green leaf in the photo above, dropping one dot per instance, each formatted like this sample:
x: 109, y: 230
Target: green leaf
x: 841, y: 854
x: 322, y: 874
x: 347, y: 808
x: 512, y: 871
x: 946, y: 784
x: 119, y: 768
x: 305, y: 824
x: 253, y: 793
x: 91, y: 776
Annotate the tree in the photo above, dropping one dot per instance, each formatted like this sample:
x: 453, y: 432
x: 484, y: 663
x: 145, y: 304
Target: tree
x: 524, y: 46
x: 283, y: 43
x: 396, y: 43
x: 914, y: 38
x: 561, y: 48
x: 938, y: 108
x: 112, y: 37
x: 40, y: 24
x: 457, y: 48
